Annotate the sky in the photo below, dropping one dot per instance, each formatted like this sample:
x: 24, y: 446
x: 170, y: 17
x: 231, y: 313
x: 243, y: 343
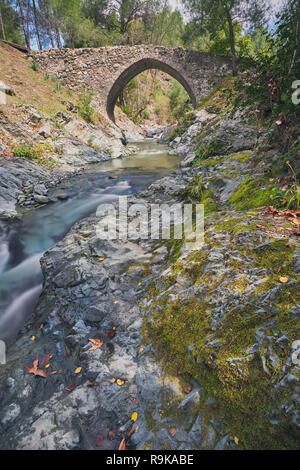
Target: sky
x: 274, y: 4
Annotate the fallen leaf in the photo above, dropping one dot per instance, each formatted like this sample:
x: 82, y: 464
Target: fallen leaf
x: 97, y: 344
x: 120, y: 382
x: 47, y: 366
x: 236, y: 440
x: 116, y: 302
x: 70, y: 388
x: 46, y: 360
x: 110, y: 334
x: 141, y: 350
x: 122, y: 445
x: 35, y: 370
x: 56, y: 372
x: 134, y: 416
x: 135, y: 400
x: 100, y: 260
x: 78, y: 370
x: 91, y: 384
x: 132, y: 431
x: 139, y: 284
x: 33, y: 338
x: 172, y: 432
x: 284, y: 280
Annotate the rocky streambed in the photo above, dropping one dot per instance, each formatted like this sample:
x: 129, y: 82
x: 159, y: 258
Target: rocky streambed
x: 194, y: 349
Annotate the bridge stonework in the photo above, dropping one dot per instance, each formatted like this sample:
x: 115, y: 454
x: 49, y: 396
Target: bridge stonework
x: 107, y: 70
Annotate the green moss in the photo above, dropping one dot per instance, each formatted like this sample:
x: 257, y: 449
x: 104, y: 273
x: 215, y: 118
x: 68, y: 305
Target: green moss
x: 241, y: 156
x: 229, y: 224
x: 209, y: 205
x: 211, y: 162
x: 244, y: 392
x: 251, y: 194
x: 240, y: 284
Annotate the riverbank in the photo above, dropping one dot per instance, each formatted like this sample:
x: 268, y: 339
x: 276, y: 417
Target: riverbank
x: 191, y: 349
x: 197, y: 346
x: 47, y: 134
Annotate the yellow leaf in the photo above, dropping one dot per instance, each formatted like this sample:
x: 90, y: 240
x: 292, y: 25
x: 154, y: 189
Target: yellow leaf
x: 137, y: 429
x: 134, y: 416
x: 141, y: 350
x: 100, y: 260
x: 236, y: 440
x: 47, y: 366
x: 139, y: 284
x: 120, y: 382
x: 78, y: 370
x: 284, y: 279
x: 33, y: 338
x: 116, y: 302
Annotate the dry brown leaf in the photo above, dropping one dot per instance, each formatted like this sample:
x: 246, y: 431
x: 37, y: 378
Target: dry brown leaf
x: 122, y: 445
x: 97, y: 344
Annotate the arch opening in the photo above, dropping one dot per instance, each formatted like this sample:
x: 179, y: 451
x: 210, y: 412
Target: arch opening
x: 137, y: 68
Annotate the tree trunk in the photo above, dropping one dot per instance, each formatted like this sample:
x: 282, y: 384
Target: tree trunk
x: 232, y: 44
x: 57, y: 34
x: 26, y: 35
x: 2, y: 27
x: 36, y: 23
x: 50, y: 34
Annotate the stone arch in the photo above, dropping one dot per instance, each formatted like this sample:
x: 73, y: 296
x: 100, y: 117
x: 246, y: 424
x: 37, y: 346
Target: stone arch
x: 135, y: 69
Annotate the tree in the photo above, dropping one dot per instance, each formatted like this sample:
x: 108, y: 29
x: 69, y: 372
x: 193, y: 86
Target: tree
x: 36, y: 22
x: 12, y: 29
x: 24, y: 24
x: 215, y: 14
x: 2, y: 26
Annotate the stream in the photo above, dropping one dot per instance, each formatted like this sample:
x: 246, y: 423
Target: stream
x: 23, y: 245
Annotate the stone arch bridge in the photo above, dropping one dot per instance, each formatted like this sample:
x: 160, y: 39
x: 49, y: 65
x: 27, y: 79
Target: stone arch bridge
x: 107, y: 70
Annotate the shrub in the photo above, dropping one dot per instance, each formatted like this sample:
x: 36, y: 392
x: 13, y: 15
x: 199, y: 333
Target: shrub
x: 36, y: 153
x: 34, y: 66
x: 86, y: 110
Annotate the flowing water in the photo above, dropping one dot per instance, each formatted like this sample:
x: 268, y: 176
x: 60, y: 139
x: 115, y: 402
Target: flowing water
x: 22, y: 247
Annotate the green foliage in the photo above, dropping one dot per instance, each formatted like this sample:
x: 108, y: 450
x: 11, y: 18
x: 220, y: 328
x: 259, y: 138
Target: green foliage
x: 86, y: 110
x: 180, y: 102
x: 250, y: 194
x: 37, y: 153
x: 11, y: 21
x: 254, y: 192
x: 34, y: 66
x: 278, y: 65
